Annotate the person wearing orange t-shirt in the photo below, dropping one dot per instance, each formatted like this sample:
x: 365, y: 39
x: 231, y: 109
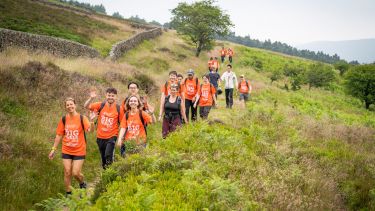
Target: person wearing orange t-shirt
x: 134, y: 124
x: 109, y: 116
x: 244, y: 87
x: 71, y: 130
x: 210, y: 62
x: 166, y: 89
x: 206, y: 97
x: 215, y: 64
x: 192, y: 87
x: 230, y: 54
x: 223, y: 53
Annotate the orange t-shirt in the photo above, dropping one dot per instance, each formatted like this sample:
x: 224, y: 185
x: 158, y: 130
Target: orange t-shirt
x: 243, y: 87
x: 230, y: 52
x: 206, y: 95
x: 191, y: 88
x: 168, y: 90
x: 74, y: 140
x: 215, y: 64
x: 107, y: 120
x: 223, y: 52
x: 134, y: 126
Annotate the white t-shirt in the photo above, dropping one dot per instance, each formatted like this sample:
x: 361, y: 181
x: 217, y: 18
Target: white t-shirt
x: 229, y: 79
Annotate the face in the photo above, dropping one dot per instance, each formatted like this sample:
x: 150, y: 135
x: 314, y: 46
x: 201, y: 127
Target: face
x: 133, y: 89
x: 242, y: 78
x: 229, y: 68
x: 110, y: 97
x: 173, y: 91
x: 133, y: 102
x: 70, y: 106
x: 179, y: 79
x: 190, y: 76
x: 172, y: 77
x: 205, y: 79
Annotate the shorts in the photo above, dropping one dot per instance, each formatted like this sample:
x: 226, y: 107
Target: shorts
x: 244, y: 96
x: 73, y: 157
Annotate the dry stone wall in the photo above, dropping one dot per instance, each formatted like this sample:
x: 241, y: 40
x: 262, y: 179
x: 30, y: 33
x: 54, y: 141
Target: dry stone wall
x: 33, y: 42
x: 122, y: 47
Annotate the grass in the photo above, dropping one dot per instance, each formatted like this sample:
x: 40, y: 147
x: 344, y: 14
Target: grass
x: 98, y: 32
x: 308, y: 149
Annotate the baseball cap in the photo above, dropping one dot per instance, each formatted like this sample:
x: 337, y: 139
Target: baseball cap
x: 190, y: 72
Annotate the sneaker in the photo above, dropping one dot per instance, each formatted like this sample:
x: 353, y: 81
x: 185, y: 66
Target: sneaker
x: 83, y: 185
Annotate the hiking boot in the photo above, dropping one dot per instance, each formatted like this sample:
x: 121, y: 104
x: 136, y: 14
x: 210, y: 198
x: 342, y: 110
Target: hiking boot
x: 83, y: 185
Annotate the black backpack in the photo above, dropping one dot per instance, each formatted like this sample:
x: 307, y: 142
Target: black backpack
x: 117, y: 108
x: 63, y: 119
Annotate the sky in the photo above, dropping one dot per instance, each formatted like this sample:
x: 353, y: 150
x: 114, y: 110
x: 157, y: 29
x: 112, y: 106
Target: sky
x: 291, y: 21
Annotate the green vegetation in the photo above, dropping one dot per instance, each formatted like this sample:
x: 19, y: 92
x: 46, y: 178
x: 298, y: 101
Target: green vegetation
x: 199, y: 22
x: 360, y: 82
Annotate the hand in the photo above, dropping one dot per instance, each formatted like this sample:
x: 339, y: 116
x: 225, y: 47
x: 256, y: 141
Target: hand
x: 151, y: 109
x: 93, y: 115
x: 119, y: 143
x: 51, y: 154
x: 159, y: 119
x: 195, y: 105
x: 93, y: 93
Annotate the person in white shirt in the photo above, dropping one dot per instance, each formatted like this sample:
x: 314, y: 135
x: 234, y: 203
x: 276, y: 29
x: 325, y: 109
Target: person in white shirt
x: 230, y: 82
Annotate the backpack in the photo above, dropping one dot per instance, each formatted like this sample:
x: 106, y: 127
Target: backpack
x: 142, y: 120
x: 63, y: 119
x: 117, y: 108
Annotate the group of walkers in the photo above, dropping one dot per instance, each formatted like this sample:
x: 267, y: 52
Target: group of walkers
x: 119, y: 122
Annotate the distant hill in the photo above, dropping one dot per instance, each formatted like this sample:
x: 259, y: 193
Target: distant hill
x: 361, y: 50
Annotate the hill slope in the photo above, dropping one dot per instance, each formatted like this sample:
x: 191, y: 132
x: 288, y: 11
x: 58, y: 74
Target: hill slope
x: 308, y: 149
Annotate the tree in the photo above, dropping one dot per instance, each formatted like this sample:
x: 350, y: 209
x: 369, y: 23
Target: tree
x: 319, y: 75
x: 117, y: 15
x: 342, y: 66
x: 360, y: 83
x: 276, y: 75
x: 201, y: 22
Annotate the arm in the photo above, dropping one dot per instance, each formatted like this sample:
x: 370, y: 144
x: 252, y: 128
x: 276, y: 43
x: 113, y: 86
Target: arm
x: 162, y: 101
x: 54, y: 147
x: 91, y: 128
x: 88, y: 101
x: 196, y: 100
x: 182, y: 111
x: 120, y: 137
x: 151, y: 110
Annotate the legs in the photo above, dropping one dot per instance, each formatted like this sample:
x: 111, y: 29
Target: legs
x: 72, y: 168
x: 106, y: 149
x: 170, y: 125
x: 227, y: 97
x: 222, y: 59
x: 230, y: 59
x: 230, y: 97
x: 102, y: 146
x: 189, y: 105
x: 204, y: 111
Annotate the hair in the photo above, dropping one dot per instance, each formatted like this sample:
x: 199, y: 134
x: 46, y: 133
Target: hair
x: 206, y: 75
x: 128, y: 100
x: 173, y: 72
x: 175, y: 86
x: 229, y: 65
x: 180, y: 75
x: 211, y: 58
x: 69, y: 99
x: 132, y: 82
x: 111, y: 90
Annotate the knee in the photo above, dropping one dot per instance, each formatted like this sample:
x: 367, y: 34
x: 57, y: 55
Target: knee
x: 67, y: 173
x: 76, y: 173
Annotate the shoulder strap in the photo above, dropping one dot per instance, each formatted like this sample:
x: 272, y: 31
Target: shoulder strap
x: 143, y: 121
x: 118, y: 113
x: 196, y: 81
x: 166, y: 87
x: 83, y: 126
x: 247, y: 84
x: 63, y: 119
x: 101, y: 107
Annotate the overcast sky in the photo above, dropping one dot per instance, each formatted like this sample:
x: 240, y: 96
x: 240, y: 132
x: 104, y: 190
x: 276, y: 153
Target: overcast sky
x: 291, y: 21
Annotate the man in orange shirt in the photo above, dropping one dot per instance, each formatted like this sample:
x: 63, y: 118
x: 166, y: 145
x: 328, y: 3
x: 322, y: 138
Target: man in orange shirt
x: 109, y: 117
x: 166, y: 89
x: 210, y: 62
x: 191, y: 85
x: 223, y: 53
x: 244, y: 87
x: 215, y: 64
x: 230, y: 54
x: 206, y: 97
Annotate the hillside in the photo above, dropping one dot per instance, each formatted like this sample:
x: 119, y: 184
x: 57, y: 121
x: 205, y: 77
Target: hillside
x: 284, y: 145
x: 98, y: 31
x: 362, y: 51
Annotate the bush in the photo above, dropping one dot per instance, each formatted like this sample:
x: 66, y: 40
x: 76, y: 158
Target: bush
x: 319, y: 75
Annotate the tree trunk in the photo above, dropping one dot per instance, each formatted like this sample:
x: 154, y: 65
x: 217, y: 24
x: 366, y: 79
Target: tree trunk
x: 367, y: 104
x: 199, y: 49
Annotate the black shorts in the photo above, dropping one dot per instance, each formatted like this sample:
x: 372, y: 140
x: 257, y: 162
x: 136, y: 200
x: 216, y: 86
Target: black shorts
x: 73, y: 157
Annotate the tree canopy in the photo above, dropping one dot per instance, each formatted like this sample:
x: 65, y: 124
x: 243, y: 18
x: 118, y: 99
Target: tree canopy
x: 201, y: 22
x: 360, y: 83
